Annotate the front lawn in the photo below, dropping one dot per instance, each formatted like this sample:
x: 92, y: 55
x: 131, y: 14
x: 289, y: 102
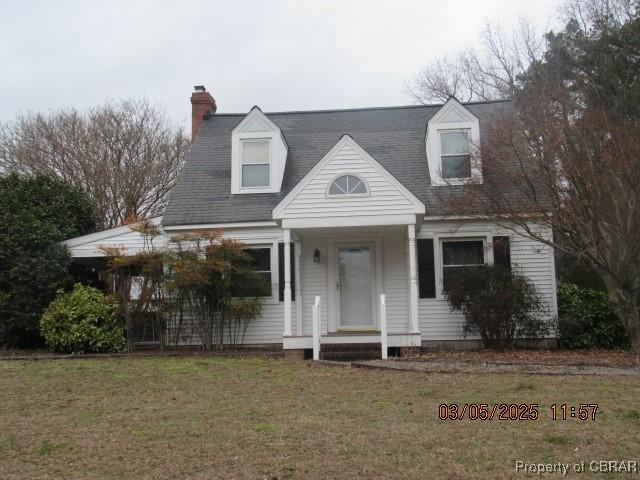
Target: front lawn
x: 208, y: 417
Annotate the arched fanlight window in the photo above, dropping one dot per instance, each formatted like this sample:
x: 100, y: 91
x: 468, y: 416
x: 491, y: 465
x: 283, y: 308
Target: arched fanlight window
x: 348, y: 185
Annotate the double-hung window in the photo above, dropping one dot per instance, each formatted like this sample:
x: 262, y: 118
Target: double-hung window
x: 256, y: 163
x: 261, y: 265
x: 458, y: 255
x: 455, y: 153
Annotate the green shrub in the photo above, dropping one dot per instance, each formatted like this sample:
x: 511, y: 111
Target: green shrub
x: 83, y: 320
x: 587, y: 319
x: 36, y: 213
x: 499, y: 304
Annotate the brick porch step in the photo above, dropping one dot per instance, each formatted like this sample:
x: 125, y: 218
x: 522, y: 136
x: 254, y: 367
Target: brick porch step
x: 347, y: 352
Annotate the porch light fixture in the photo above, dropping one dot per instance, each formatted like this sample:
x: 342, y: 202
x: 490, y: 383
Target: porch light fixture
x: 316, y: 256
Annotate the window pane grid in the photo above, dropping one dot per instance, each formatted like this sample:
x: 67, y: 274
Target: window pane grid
x: 459, y: 255
x: 347, y: 185
x: 261, y: 263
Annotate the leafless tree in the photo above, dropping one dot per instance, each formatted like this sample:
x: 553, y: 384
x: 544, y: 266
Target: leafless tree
x: 488, y: 73
x: 568, y: 156
x: 588, y: 13
x: 126, y: 155
x: 576, y: 173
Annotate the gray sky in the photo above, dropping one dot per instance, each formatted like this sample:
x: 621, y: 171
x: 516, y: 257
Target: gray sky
x: 280, y: 55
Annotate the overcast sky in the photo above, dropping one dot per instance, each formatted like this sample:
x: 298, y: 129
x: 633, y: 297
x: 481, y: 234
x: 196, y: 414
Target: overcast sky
x: 280, y: 55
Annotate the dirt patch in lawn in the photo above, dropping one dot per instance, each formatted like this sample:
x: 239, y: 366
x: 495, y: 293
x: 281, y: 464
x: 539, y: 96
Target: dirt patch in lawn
x: 209, y: 418
x: 604, y: 358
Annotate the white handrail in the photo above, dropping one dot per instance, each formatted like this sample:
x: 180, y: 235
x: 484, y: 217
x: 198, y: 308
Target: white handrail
x: 383, y: 326
x: 316, y: 328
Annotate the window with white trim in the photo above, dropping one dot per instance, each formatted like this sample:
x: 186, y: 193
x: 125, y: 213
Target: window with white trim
x: 258, y: 155
x: 348, y: 185
x: 455, y: 153
x: 457, y: 255
x: 452, y: 146
x: 256, y: 163
x: 261, y: 265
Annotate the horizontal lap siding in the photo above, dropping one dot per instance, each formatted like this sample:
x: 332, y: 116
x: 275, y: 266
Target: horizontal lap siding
x: 269, y: 326
x: 132, y: 242
x: 394, y: 279
x: 313, y: 202
x: 314, y: 282
x: 395, y: 283
x: 265, y: 329
x: 534, y: 259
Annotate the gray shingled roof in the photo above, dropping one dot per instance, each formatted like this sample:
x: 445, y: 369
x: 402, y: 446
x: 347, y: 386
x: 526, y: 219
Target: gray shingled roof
x: 394, y: 136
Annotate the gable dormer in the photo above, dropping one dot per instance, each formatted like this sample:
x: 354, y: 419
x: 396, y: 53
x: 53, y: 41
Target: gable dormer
x: 258, y: 155
x: 452, y: 143
x: 348, y: 187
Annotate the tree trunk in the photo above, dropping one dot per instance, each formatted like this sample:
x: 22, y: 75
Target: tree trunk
x: 631, y: 322
x: 626, y: 304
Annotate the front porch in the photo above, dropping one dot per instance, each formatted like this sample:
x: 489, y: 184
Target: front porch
x: 351, y: 286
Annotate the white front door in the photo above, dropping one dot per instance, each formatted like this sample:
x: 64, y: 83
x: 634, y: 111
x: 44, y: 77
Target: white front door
x: 356, y: 274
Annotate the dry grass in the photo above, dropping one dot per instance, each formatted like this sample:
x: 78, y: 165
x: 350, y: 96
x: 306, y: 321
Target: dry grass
x: 259, y: 418
x: 604, y: 358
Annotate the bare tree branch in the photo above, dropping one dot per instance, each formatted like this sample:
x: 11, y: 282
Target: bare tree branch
x: 125, y: 155
x: 489, y: 74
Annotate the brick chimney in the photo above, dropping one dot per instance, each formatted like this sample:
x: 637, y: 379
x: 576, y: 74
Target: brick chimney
x: 202, y: 105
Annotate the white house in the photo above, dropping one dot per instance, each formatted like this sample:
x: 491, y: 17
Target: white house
x: 360, y: 195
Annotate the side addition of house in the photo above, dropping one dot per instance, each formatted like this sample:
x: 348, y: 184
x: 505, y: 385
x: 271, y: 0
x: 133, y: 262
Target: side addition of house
x: 348, y: 211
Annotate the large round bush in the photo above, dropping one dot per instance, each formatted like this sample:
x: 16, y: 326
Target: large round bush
x: 83, y: 320
x: 587, y: 319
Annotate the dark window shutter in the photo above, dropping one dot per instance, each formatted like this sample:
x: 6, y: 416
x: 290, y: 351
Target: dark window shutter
x: 426, y: 268
x: 501, y: 251
x: 281, y: 271
x: 293, y: 271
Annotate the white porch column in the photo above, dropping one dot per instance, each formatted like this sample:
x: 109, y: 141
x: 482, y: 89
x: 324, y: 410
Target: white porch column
x: 298, y: 256
x: 413, y: 280
x: 384, y: 340
x: 287, y: 282
x: 315, y: 317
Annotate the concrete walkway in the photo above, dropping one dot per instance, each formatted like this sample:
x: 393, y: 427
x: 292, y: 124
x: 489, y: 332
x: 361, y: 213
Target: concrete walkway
x: 465, y: 367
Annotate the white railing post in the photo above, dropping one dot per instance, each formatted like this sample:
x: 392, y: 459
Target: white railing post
x: 383, y: 325
x: 316, y: 329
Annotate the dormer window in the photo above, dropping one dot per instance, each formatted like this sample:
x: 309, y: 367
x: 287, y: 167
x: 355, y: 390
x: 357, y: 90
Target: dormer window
x: 453, y: 138
x: 258, y: 155
x: 455, y: 153
x: 256, y: 163
x: 348, y: 185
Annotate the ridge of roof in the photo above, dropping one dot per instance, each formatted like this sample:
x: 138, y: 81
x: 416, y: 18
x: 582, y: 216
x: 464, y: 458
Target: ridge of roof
x: 362, y: 109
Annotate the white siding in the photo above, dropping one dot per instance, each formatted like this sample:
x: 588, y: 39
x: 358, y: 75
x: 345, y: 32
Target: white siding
x: 436, y: 320
x: 89, y: 246
x: 535, y: 260
x: 384, y: 199
x: 314, y: 282
x: 267, y: 328
x: 396, y: 283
